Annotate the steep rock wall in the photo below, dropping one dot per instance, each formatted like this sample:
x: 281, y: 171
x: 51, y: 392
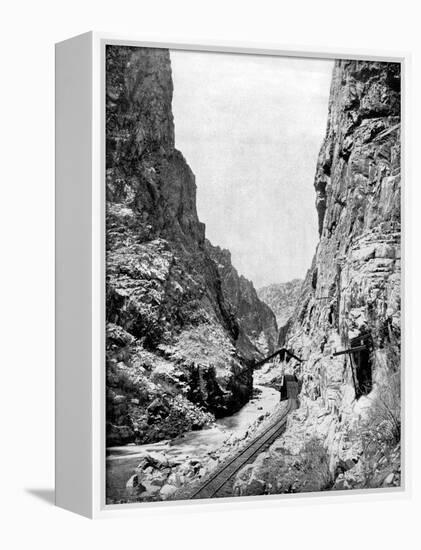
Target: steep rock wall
x: 282, y: 299
x: 353, y: 287
x: 174, y: 343
x: 350, y: 404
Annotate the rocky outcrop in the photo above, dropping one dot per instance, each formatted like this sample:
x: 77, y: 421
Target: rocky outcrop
x: 282, y: 299
x: 147, y: 395
x: 175, y: 344
x: 258, y: 331
x: 351, y: 295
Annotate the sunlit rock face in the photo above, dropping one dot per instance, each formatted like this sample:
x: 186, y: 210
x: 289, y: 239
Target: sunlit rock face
x: 175, y: 343
x: 282, y: 299
x: 350, y: 404
x: 352, y: 292
x: 353, y: 286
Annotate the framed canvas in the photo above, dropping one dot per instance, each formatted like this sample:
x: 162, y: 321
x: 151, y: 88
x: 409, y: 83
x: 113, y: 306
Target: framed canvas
x: 228, y: 274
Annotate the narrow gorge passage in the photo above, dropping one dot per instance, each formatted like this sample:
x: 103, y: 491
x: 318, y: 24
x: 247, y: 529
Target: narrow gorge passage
x: 277, y: 236
x: 185, y: 329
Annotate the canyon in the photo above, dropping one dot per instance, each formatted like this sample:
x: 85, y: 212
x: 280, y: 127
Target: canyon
x: 350, y: 409
x: 185, y: 329
x: 282, y: 299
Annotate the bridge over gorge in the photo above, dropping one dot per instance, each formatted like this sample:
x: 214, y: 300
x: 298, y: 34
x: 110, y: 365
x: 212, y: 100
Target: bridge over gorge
x: 283, y: 353
x: 220, y: 482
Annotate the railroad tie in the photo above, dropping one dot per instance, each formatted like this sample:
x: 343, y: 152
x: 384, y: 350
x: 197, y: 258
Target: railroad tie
x: 215, y: 485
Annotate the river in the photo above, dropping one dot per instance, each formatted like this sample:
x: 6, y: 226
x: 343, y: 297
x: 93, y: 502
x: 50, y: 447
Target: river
x: 121, y: 461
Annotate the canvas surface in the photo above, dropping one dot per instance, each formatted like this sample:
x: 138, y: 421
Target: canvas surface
x: 252, y: 275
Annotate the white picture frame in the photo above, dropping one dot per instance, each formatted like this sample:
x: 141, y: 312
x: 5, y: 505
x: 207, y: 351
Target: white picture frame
x: 80, y: 275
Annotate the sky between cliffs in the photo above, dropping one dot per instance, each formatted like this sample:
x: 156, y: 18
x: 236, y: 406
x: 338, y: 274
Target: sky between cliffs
x: 250, y: 127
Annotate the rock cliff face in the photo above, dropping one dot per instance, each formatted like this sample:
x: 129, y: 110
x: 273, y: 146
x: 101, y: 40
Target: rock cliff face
x: 350, y: 404
x: 258, y: 331
x: 175, y: 343
x: 281, y: 298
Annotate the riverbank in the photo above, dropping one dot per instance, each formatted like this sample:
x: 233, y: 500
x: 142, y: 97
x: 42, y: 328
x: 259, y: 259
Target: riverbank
x: 141, y: 472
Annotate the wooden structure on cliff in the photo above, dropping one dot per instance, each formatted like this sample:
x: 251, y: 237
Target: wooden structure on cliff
x: 360, y: 357
x: 290, y: 387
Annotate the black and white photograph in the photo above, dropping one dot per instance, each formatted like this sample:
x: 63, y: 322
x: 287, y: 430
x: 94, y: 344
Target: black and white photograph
x: 210, y: 275
x: 253, y: 290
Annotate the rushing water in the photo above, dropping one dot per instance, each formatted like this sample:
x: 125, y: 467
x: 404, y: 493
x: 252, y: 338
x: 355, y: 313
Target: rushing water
x: 121, y: 461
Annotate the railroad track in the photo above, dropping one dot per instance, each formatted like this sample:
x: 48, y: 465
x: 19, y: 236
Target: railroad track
x: 220, y: 483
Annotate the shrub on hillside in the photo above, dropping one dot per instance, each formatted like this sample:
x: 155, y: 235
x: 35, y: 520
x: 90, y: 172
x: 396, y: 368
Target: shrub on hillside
x: 307, y: 471
x: 382, y: 434
x: 383, y: 423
